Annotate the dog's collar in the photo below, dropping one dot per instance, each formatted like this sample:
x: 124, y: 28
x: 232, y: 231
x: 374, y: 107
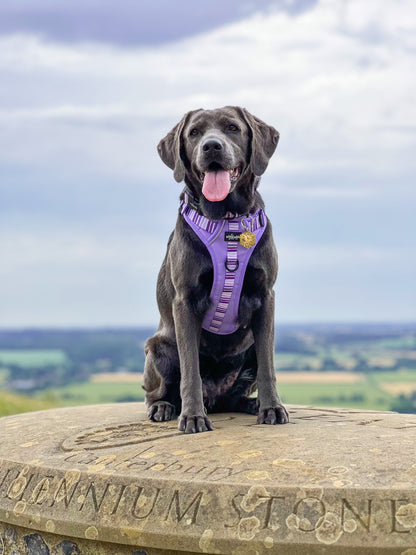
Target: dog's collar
x: 190, y: 200
x: 193, y: 202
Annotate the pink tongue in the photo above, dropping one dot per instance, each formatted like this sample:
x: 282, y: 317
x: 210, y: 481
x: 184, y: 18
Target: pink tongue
x: 216, y: 185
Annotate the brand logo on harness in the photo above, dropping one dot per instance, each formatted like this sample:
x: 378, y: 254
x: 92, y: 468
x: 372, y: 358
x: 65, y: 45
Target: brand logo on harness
x: 231, y: 236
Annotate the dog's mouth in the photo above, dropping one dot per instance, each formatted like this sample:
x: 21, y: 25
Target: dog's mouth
x: 217, y: 181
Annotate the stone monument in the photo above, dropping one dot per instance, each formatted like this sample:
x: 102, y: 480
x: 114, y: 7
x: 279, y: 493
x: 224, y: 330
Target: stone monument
x: 105, y: 480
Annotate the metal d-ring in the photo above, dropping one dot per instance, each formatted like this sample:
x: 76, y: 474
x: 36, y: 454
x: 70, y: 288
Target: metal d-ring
x: 237, y: 264
x: 243, y: 223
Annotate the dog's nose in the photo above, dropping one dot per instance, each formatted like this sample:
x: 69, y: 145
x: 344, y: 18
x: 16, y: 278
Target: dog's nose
x: 211, y: 145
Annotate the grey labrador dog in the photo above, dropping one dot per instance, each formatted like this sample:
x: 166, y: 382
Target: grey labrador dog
x: 190, y: 371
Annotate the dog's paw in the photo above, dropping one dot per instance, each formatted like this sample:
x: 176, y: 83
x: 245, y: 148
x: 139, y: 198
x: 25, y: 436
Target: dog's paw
x: 161, y: 411
x: 276, y: 415
x: 191, y: 424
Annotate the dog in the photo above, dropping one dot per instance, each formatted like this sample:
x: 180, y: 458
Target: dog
x: 215, y: 342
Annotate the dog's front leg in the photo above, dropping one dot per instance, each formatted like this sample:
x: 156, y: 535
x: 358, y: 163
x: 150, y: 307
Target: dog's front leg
x: 271, y: 410
x: 188, y: 331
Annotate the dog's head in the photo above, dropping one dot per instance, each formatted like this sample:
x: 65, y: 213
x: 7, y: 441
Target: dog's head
x: 218, y: 150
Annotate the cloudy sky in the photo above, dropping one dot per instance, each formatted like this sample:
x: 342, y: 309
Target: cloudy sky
x: 89, y: 87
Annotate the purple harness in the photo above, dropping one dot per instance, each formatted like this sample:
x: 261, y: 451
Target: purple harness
x: 229, y: 261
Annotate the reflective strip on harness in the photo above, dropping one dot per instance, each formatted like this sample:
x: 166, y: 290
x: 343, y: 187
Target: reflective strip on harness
x: 229, y: 261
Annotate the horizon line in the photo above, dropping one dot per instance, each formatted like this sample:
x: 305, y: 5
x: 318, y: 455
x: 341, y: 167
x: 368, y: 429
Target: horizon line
x: 120, y: 327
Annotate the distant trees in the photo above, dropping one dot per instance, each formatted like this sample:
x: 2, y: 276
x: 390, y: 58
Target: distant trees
x: 31, y: 378
x: 85, y: 352
x: 405, y: 403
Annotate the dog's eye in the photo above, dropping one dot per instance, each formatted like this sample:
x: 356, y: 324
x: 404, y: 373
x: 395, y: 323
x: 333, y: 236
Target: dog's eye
x: 194, y: 132
x: 233, y: 128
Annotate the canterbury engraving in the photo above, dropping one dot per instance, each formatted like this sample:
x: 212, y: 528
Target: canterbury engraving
x: 164, y: 463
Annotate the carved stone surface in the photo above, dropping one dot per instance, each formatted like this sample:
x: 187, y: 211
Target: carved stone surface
x: 103, y: 479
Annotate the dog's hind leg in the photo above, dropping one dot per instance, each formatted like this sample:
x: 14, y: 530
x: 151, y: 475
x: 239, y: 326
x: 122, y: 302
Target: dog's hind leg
x: 247, y: 405
x: 161, y: 379
x: 238, y: 397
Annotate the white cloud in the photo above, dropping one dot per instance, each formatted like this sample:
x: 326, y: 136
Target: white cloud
x: 67, y: 248
x: 75, y: 278
x: 337, y: 81
x: 300, y: 191
x: 298, y: 256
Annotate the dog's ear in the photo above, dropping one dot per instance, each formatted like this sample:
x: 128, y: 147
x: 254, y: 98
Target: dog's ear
x: 171, y: 148
x: 264, y: 139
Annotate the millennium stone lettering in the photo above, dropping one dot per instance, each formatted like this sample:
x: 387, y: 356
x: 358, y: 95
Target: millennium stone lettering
x: 107, y: 476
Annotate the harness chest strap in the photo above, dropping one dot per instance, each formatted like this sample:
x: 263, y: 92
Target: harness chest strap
x: 229, y: 261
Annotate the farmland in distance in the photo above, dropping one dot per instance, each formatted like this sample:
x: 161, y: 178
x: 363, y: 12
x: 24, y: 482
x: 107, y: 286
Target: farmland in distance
x: 358, y: 366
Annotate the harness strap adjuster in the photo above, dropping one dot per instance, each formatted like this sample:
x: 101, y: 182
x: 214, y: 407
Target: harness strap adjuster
x: 237, y: 264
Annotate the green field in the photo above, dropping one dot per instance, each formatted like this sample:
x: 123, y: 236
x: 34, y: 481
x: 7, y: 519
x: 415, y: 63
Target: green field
x: 402, y: 375
x: 30, y: 358
x: 4, y: 374
x: 367, y: 394
x: 364, y: 395
x: 14, y: 404
x: 88, y: 393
